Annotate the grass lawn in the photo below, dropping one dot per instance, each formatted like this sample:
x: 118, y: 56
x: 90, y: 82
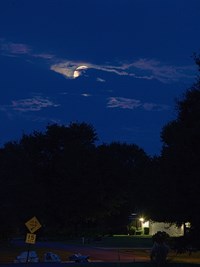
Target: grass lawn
x: 117, y: 241
x: 126, y: 241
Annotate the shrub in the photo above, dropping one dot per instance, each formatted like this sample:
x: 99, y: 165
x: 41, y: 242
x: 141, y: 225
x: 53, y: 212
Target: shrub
x: 160, y: 236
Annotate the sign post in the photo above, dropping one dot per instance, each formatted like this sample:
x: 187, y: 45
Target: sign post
x: 33, y: 225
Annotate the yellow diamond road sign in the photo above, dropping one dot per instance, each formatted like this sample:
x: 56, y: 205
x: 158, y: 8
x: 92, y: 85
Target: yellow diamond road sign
x: 30, y: 238
x: 33, y: 225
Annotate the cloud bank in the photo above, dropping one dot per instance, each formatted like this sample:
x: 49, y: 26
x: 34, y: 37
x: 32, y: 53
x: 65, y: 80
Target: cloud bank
x: 20, y: 49
x: 32, y: 104
x: 36, y: 103
x: 129, y: 103
x: 147, y: 69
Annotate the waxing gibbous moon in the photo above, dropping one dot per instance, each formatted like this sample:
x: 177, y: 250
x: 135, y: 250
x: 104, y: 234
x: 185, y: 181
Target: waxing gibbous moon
x: 78, y: 70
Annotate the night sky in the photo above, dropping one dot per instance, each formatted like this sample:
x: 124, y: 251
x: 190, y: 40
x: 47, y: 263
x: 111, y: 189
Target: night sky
x: 118, y: 65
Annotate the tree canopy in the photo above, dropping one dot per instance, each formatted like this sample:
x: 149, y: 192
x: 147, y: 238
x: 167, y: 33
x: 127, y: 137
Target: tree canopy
x: 179, y: 161
x: 70, y: 183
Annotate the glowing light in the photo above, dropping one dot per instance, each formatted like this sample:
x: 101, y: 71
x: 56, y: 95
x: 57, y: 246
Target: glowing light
x: 78, y: 70
x: 188, y: 224
x: 76, y: 74
x: 145, y: 224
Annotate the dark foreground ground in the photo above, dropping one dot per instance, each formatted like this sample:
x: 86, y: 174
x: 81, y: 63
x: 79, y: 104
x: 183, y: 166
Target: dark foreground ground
x: 99, y: 256
x: 98, y: 264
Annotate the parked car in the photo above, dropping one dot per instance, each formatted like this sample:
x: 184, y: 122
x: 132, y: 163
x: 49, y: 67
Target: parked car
x: 78, y: 258
x: 51, y: 257
x: 27, y: 256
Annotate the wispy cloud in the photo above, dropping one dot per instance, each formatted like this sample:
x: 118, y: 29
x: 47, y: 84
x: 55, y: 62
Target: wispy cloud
x: 17, y: 49
x: 29, y: 108
x: 86, y: 95
x: 147, y: 69
x: 162, y: 72
x: 72, y: 69
x: 14, y: 48
x: 121, y: 102
x: 37, y: 118
x: 139, y: 69
x: 129, y: 103
x: 100, y: 80
x: 32, y: 104
x: 44, y: 56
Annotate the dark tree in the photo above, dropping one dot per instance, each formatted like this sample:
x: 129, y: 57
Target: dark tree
x: 180, y: 158
x: 121, y: 171
x: 46, y: 174
x: 73, y: 186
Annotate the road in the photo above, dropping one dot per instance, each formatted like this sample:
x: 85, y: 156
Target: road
x: 96, y: 253
x: 100, y: 254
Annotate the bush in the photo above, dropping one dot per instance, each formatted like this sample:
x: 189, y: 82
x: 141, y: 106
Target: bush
x: 160, y: 236
x: 132, y: 230
x: 138, y: 232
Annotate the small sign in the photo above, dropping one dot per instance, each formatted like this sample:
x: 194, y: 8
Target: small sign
x: 33, y: 225
x: 30, y: 238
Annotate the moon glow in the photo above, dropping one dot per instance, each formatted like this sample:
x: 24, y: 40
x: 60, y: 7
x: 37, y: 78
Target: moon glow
x: 78, y: 71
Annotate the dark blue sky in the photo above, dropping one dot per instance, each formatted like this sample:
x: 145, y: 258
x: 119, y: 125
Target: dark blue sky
x: 116, y: 64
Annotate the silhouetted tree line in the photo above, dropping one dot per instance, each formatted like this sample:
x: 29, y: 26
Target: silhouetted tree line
x: 69, y: 183
x: 76, y: 187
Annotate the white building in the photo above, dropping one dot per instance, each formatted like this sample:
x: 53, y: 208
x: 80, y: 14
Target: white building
x: 152, y: 227
x: 170, y: 228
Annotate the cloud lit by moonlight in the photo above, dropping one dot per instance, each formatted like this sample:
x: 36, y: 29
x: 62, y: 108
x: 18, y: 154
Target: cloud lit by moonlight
x: 70, y: 69
x: 139, y: 69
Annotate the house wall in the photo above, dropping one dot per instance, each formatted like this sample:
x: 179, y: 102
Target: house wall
x: 170, y: 229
